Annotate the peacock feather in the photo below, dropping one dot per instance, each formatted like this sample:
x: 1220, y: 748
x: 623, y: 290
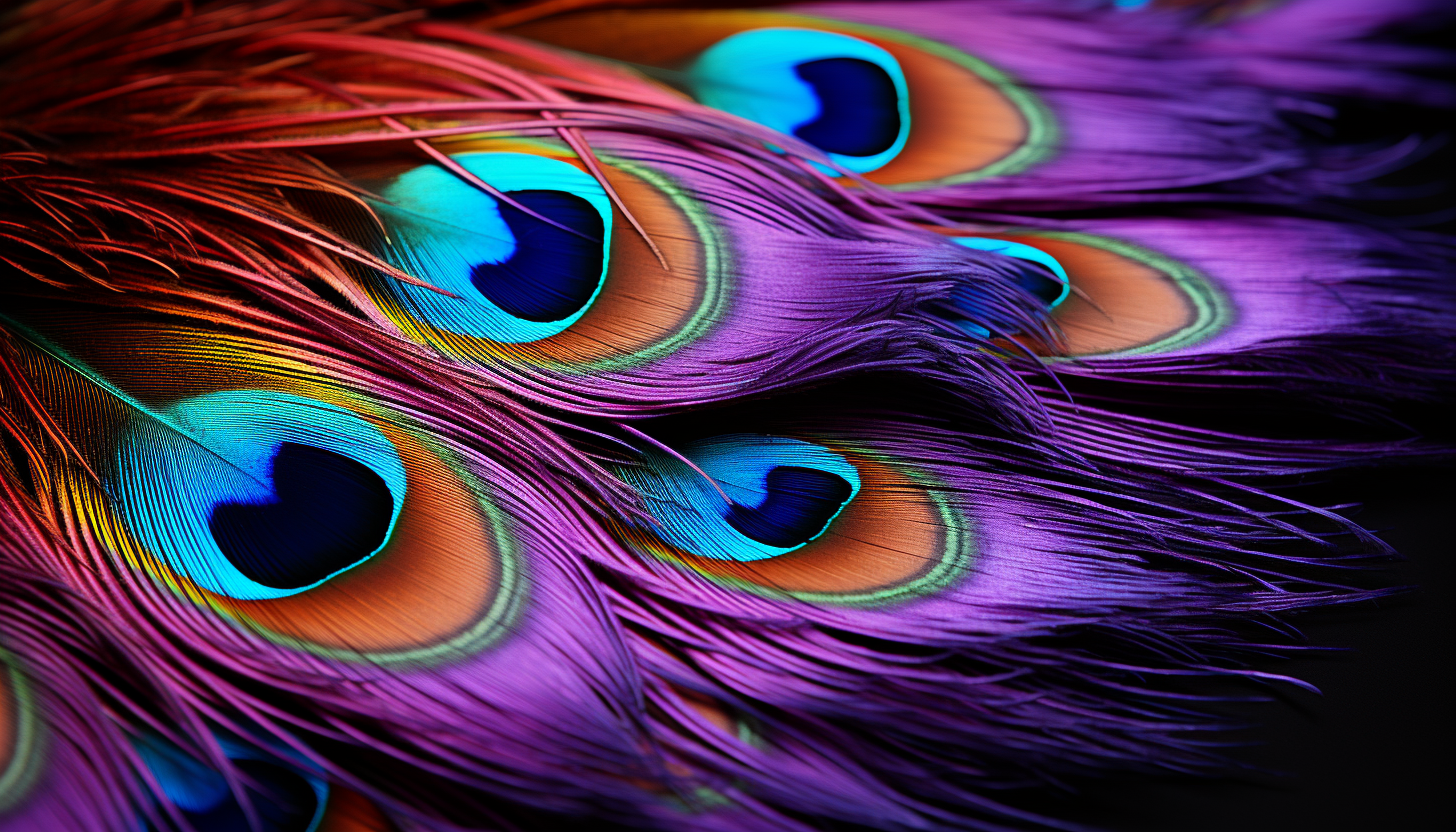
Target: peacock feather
x: 435, y: 415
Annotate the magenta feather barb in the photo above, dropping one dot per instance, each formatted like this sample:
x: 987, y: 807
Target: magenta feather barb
x: 637, y: 414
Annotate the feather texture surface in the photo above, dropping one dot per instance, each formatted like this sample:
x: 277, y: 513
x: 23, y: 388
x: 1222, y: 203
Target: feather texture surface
x: 657, y: 415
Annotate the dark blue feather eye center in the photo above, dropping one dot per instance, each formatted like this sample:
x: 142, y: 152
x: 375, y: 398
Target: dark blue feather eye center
x: 553, y: 273
x: 799, y: 505
x: 329, y: 513
x: 859, y: 112
x: 284, y: 801
x: 1039, y: 281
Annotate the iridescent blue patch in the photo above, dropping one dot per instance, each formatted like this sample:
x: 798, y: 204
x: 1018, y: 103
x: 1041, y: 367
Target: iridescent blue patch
x: 258, y: 494
x: 510, y: 276
x: 762, y: 496
x: 841, y: 94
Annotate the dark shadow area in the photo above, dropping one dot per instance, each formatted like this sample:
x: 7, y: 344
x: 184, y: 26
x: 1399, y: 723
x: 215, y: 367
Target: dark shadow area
x: 1375, y: 751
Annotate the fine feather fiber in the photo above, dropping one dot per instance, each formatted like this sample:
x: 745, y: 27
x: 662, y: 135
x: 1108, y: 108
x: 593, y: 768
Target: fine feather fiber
x: 662, y: 415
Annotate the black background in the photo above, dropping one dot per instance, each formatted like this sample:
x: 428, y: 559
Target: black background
x: 1374, y: 751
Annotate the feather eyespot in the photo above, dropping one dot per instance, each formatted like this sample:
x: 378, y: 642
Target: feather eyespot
x: 895, y: 107
x: 748, y: 498
x: 1118, y: 298
x: 786, y: 517
x: 449, y: 561
x: 841, y: 94
x: 254, y: 494
x: 1106, y: 296
x: 275, y: 497
x: 512, y: 276
x: 379, y: 520
x: 559, y: 279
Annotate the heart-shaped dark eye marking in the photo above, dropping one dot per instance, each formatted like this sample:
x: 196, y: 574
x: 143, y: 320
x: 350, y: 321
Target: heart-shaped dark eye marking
x: 799, y: 505
x: 859, y: 110
x: 329, y: 512
x: 552, y: 273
